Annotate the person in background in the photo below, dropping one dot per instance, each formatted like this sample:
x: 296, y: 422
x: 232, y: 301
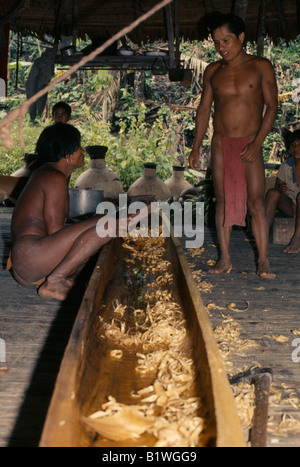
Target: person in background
x: 286, y: 195
x: 61, y: 112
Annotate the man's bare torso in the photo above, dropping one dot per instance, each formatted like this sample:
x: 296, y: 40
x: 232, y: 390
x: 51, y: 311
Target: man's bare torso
x: 238, y: 97
x: 43, y: 202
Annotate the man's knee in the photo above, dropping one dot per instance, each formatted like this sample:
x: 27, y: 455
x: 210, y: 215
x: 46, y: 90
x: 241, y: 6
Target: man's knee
x: 256, y: 205
x: 274, y: 192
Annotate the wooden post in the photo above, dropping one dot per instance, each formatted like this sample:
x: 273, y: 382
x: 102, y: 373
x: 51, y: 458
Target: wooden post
x: 75, y: 22
x: 240, y: 8
x: 177, y: 30
x: 282, y: 20
x: 261, y: 27
x: 58, y: 25
x: 4, y: 57
x: 170, y: 31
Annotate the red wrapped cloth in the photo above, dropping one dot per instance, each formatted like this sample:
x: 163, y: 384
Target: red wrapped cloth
x: 235, y: 188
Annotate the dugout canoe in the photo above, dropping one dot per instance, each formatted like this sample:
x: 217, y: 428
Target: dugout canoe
x: 87, y: 375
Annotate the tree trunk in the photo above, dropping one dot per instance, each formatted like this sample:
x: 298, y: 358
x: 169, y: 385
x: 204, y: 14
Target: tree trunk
x: 139, y: 85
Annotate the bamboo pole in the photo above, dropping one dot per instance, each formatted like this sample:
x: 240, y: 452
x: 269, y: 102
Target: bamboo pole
x: 19, y: 112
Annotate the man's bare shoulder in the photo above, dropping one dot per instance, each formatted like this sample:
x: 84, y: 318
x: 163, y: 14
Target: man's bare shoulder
x: 47, y: 171
x: 261, y: 62
x: 212, y: 67
x: 48, y: 178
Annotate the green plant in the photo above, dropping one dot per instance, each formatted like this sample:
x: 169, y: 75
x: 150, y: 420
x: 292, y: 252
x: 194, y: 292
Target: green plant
x: 12, y: 159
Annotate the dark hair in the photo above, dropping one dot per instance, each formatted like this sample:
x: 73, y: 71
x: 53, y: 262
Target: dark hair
x: 62, y: 105
x: 235, y: 24
x: 57, y: 141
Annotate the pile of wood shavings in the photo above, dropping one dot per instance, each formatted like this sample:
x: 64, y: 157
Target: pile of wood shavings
x: 227, y: 334
x: 161, y: 338
x: 228, y: 337
x: 230, y: 342
x: 287, y: 424
x: 244, y: 395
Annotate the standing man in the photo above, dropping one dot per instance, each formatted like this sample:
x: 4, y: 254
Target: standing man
x: 244, y: 92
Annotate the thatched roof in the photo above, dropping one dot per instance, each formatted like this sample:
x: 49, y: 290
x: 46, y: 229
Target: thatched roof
x: 104, y: 18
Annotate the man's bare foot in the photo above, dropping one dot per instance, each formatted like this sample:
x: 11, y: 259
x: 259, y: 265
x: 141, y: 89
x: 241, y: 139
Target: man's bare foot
x: 264, y: 270
x: 56, y: 289
x: 293, y: 246
x: 220, y: 267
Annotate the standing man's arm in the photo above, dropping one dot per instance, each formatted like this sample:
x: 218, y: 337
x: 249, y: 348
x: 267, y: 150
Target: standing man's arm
x: 202, y: 118
x: 270, y: 94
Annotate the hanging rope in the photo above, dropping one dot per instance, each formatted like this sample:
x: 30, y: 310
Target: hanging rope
x: 19, y: 112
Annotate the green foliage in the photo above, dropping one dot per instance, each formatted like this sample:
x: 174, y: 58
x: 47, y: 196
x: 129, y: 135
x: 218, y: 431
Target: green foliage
x: 134, y: 139
x: 12, y: 159
x: 133, y: 146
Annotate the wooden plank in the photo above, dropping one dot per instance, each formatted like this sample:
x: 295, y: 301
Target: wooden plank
x: 282, y: 230
x: 36, y: 332
x: 273, y: 311
x: 26, y: 389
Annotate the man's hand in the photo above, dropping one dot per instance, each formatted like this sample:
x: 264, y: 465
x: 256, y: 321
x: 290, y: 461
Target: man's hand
x: 194, y: 160
x: 251, y: 152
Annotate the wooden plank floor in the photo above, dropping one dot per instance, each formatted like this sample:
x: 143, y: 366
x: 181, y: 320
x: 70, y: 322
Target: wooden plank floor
x: 36, y: 332
x: 274, y: 310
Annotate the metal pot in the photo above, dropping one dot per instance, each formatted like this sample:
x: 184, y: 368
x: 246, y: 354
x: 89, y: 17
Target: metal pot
x: 84, y: 201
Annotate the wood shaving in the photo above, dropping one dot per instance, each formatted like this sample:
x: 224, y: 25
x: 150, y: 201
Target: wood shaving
x: 279, y: 338
x: 233, y: 307
x: 227, y: 334
x: 244, y: 395
x: 119, y: 422
x: 196, y: 252
x: 118, y: 354
x: 213, y: 306
x: 286, y: 425
x: 205, y: 287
